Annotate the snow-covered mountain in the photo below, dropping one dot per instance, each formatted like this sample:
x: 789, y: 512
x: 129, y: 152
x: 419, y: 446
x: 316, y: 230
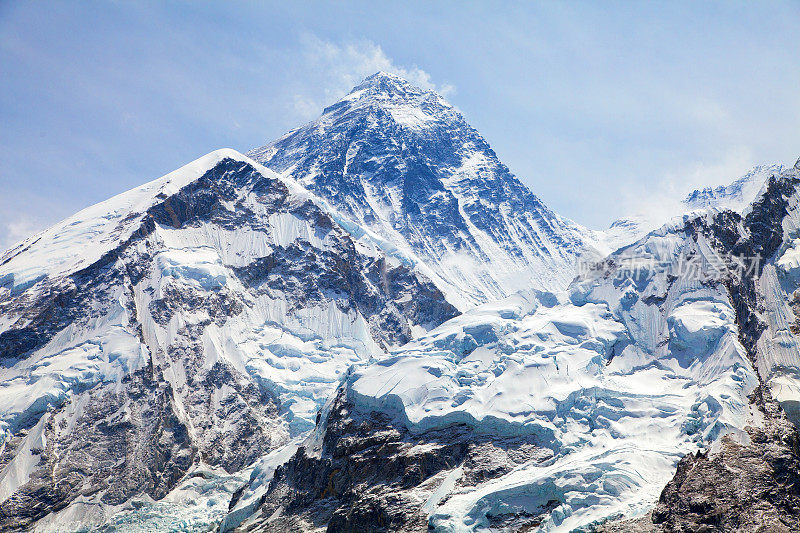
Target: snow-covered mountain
x: 736, y: 196
x: 197, y: 322
x: 403, y: 162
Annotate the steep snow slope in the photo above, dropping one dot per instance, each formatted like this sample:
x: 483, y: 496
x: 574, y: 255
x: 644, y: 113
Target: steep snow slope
x: 750, y: 484
x: 559, y: 411
x: 404, y: 163
x: 779, y: 290
x: 193, y: 324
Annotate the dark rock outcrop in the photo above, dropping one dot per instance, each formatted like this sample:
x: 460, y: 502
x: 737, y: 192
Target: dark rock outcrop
x: 368, y: 466
x: 749, y: 487
x: 123, y: 443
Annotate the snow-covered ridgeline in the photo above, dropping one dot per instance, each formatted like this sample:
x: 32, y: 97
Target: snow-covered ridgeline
x: 736, y: 196
x: 200, y: 256
x: 80, y: 240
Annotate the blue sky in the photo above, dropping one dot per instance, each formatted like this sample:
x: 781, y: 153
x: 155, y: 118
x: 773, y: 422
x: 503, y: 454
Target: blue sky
x: 599, y: 107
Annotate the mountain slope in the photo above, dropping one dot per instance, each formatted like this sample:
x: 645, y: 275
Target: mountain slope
x: 404, y: 163
x: 196, y: 322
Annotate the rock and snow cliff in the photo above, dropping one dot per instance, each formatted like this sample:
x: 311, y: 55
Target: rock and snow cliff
x: 560, y: 411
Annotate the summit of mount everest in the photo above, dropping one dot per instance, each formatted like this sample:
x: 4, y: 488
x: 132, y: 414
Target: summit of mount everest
x: 370, y: 324
x: 404, y: 163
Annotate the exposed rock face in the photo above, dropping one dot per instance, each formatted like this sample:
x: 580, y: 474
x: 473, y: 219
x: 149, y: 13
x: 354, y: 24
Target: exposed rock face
x: 739, y: 487
x: 374, y: 475
x: 751, y: 486
x: 114, y: 446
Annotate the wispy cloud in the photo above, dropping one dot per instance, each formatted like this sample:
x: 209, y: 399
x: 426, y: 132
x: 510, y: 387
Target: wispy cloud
x: 25, y: 213
x: 17, y: 228
x: 338, y: 66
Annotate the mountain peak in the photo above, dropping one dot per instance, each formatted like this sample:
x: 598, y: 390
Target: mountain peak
x: 386, y: 82
x: 389, y: 90
x: 736, y: 195
x: 402, y: 162
x: 383, y: 75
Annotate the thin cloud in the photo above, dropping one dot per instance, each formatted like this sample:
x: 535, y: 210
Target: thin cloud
x: 339, y: 66
x: 15, y: 230
x: 24, y: 213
